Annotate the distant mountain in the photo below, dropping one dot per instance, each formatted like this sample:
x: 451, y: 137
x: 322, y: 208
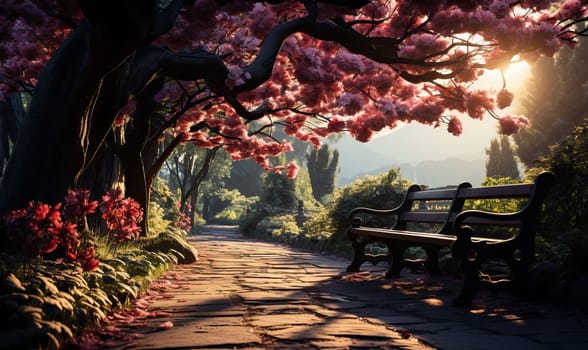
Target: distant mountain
x: 425, y: 155
x: 433, y: 173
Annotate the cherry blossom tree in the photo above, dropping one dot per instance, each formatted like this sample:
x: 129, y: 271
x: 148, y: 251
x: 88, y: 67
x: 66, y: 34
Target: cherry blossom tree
x: 111, y: 79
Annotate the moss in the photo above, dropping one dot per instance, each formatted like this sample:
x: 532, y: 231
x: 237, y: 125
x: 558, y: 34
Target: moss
x: 167, y: 242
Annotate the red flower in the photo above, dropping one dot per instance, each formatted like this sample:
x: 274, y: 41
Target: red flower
x: 78, y: 205
x: 121, y: 216
x: 35, y: 228
x: 86, y: 259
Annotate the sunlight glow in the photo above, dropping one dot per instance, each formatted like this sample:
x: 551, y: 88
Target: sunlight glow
x: 516, y: 74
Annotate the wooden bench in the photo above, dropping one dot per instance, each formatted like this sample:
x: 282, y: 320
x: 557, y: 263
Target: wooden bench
x: 436, y: 219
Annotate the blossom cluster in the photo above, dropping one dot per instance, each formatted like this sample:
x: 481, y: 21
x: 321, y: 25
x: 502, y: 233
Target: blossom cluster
x: 121, y: 215
x: 42, y: 229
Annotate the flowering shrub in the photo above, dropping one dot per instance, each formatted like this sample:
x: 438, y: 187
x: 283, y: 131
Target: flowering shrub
x: 78, y: 205
x: 37, y: 226
x: 43, y: 229
x: 121, y: 215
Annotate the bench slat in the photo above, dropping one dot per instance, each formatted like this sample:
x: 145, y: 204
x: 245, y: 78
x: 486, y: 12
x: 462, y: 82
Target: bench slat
x: 432, y: 195
x: 497, y: 192
x: 426, y: 217
x: 417, y: 237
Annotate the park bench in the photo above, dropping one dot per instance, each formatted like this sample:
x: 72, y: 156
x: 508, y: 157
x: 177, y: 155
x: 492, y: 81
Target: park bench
x: 438, y: 218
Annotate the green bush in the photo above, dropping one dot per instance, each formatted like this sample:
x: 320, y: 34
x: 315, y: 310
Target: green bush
x: 235, y: 206
x: 379, y: 192
x: 325, y: 228
x: 564, y: 227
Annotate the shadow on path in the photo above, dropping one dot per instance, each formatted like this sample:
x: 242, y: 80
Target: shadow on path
x: 247, y: 294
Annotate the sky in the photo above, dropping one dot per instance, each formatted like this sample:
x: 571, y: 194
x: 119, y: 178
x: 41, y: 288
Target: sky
x: 415, y: 142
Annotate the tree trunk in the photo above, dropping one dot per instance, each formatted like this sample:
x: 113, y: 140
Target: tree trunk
x: 136, y: 185
x: 71, y: 110
x: 47, y: 153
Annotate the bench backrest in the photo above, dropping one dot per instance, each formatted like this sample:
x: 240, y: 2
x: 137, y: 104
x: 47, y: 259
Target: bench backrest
x: 441, y: 206
x: 430, y: 206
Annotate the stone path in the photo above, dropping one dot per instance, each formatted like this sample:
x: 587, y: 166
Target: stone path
x: 244, y: 294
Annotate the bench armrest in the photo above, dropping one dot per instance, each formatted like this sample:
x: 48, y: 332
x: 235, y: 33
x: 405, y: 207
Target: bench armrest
x: 472, y: 217
x: 356, y: 221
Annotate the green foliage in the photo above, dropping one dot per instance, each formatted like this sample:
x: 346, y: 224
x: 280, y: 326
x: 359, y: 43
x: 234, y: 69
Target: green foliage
x: 322, y: 165
x: 565, y: 225
x: 379, y: 192
x: 304, y: 189
x: 501, y: 160
x: 510, y: 205
x: 497, y: 205
x: 47, y: 308
x: 247, y: 177
x: 555, y: 100
x: 325, y: 227
x: 162, y: 207
x: 279, y: 191
x: 282, y: 228
x: 233, y: 205
x: 156, y: 217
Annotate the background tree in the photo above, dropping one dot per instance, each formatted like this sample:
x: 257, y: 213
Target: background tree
x: 188, y: 167
x: 279, y: 191
x: 501, y: 159
x: 555, y: 100
x: 323, y: 166
x: 246, y: 177
x: 314, y: 68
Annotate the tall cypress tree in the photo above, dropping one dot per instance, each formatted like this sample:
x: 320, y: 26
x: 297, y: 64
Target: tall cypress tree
x: 323, y: 166
x: 501, y: 160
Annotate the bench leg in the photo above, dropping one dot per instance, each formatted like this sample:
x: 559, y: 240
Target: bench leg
x: 358, y: 256
x: 519, y: 276
x: 397, y: 261
x: 471, y: 281
x: 432, y: 263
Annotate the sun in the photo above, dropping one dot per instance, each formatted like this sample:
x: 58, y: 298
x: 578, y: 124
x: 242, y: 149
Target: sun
x: 516, y: 74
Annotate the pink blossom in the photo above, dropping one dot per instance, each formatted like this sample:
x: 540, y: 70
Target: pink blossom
x: 504, y: 98
x: 509, y: 124
x: 500, y: 8
x: 292, y: 170
x: 78, y: 205
x: 311, y: 96
x: 426, y: 113
x: 351, y: 103
x: 121, y: 215
x: 454, y: 126
x: 477, y: 103
x: 536, y: 4
x: 570, y: 9
x: 87, y: 259
x: 166, y: 325
x: 349, y: 62
x: 336, y: 125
